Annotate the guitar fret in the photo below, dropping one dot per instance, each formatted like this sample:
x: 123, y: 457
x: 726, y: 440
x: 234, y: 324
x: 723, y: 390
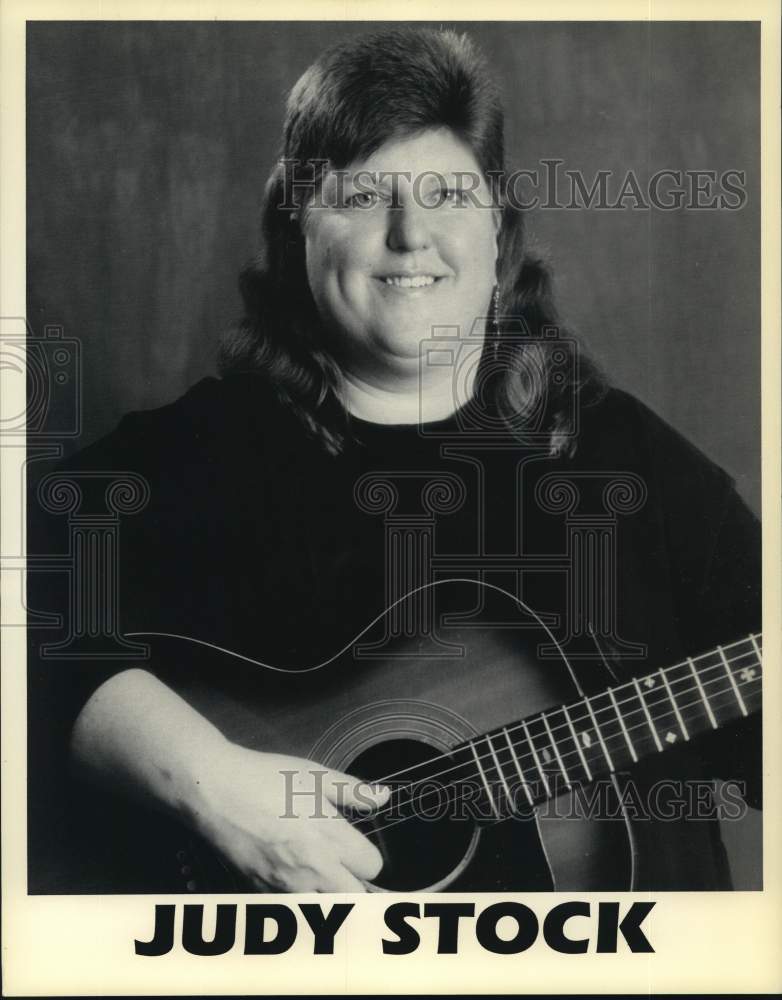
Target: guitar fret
x: 630, y: 746
x: 634, y: 719
x: 732, y: 680
x: 704, y: 699
x: 536, y: 758
x: 485, y: 782
x: 578, y: 745
x: 682, y: 691
x: 599, y: 735
x: 555, y: 749
x: 648, y: 716
x: 752, y: 693
x: 523, y: 780
x: 499, y: 770
x: 672, y: 736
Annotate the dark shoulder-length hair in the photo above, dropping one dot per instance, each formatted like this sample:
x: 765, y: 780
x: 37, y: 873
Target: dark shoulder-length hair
x: 356, y: 96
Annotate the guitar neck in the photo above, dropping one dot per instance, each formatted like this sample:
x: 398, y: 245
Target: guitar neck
x: 572, y: 745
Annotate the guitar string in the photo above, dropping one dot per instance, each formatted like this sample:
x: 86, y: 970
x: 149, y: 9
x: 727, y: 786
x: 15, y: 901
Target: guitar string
x: 385, y: 810
x: 517, y: 726
x: 685, y: 663
x: 389, y: 825
x: 526, y: 757
x: 657, y: 695
x: 753, y: 636
x: 756, y: 636
x: 649, y: 698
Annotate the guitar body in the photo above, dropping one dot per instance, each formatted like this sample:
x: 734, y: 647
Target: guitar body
x: 398, y: 697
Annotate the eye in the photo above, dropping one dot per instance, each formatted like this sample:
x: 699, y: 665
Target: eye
x: 457, y: 197
x: 362, y: 199
x: 437, y: 197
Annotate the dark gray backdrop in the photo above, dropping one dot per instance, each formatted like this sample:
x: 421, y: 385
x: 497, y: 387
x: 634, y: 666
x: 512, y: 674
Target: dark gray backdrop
x: 149, y: 143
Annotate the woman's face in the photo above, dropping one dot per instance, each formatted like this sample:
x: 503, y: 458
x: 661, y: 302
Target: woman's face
x: 393, y: 250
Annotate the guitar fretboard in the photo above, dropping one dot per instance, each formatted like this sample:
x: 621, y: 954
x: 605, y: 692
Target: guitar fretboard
x: 527, y: 762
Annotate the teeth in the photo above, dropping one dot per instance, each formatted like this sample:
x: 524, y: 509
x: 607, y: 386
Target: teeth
x: 417, y: 281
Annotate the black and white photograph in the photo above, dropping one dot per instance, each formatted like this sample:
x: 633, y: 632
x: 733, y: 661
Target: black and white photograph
x: 393, y: 474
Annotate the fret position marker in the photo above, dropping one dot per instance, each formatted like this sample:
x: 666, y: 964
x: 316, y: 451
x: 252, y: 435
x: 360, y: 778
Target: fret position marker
x: 536, y: 758
x: 747, y: 674
x: 732, y: 680
x: 649, y: 682
x: 556, y: 749
x: 671, y: 737
x: 676, y: 711
x: 524, y: 784
x: 646, y: 713
x: 578, y: 745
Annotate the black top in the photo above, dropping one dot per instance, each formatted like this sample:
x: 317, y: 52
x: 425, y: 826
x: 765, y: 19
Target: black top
x: 254, y: 538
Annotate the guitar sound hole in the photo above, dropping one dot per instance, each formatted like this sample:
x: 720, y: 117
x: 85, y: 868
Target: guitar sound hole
x: 421, y: 836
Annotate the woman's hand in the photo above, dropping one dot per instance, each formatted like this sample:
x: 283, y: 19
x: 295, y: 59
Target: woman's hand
x: 137, y: 737
x: 276, y: 820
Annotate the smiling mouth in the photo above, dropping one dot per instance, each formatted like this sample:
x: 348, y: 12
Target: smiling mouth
x: 410, y: 280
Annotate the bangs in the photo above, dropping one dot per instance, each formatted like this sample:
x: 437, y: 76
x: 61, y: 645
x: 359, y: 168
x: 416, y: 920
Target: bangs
x: 389, y: 84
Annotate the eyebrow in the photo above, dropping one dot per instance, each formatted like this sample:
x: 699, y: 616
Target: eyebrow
x: 383, y: 181
x: 378, y: 178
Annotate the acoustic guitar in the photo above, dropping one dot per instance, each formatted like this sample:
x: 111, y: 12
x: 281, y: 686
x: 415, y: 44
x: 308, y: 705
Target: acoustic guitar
x: 483, y: 731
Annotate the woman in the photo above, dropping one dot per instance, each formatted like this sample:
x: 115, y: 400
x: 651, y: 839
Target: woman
x: 386, y: 218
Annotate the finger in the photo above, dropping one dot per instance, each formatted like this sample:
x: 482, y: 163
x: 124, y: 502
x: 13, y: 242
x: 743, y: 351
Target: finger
x: 351, y: 846
x: 345, y: 791
x: 313, y: 867
x: 337, y: 878
x: 356, y: 851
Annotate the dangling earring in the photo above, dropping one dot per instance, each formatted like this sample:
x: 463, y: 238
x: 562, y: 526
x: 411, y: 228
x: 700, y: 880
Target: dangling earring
x: 494, y: 319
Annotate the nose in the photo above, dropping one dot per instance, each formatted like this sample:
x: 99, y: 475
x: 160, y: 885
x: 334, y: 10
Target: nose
x: 408, y: 227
